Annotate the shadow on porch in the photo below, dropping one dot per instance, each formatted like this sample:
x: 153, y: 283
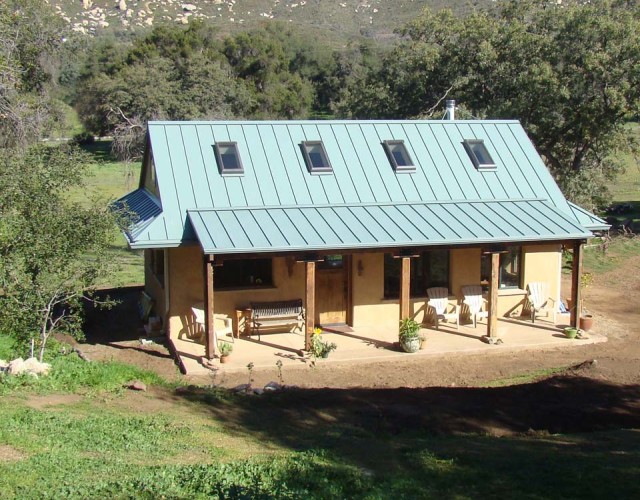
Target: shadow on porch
x: 380, y: 343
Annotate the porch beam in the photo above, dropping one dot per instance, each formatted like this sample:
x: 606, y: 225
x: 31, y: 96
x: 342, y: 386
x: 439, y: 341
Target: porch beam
x: 208, y: 309
x: 309, y: 302
x: 405, y: 286
x: 576, y: 289
x: 492, y: 320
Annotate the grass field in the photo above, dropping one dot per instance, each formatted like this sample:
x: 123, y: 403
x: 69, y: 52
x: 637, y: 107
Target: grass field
x: 79, y: 435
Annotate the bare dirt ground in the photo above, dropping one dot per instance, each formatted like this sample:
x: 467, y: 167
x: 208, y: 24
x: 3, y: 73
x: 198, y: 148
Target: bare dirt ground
x: 448, y: 395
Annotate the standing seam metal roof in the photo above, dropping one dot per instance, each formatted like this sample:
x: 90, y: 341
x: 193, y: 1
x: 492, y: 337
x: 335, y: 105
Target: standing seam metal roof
x: 276, y: 178
x: 269, y: 229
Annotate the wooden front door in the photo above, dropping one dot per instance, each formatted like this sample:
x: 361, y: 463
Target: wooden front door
x: 332, y: 290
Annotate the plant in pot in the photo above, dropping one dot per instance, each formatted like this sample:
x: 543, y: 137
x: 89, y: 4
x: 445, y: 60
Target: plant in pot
x: 320, y: 348
x: 586, y: 319
x: 225, y: 349
x: 409, y: 335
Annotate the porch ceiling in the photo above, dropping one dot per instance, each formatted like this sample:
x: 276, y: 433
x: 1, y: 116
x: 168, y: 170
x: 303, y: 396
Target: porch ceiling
x: 351, y: 226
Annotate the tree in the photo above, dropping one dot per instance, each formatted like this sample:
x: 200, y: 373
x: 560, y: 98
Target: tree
x: 53, y: 253
x: 30, y: 36
x: 567, y: 71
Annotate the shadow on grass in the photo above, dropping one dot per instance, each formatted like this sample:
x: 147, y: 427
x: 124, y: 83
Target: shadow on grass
x: 448, y: 438
x: 100, y: 150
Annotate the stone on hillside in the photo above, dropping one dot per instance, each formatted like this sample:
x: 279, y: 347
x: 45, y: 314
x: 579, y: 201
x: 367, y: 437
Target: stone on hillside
x: 188, y: 7
x: 136, y: 385
x: 122, y: 5
x: 242, y: 388
x: 3, y: 364
x: 86, y: 4
x: 272, y: 386
x: 149, y: 21
x: 32, y: 365
x: 16, y: 367
x: 258, y: 392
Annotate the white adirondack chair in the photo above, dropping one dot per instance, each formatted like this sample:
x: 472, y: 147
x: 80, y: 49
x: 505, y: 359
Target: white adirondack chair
x: 539, y: 301
x: 222, y: 323
x: 440, y: 306
x: 476, y: 303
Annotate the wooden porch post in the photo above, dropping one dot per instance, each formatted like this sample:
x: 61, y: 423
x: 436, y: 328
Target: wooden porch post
x: 405, y: 286
x: 309, y: 303
x: 492, y: 321
x: 208, y: 307
x: 576, y: 291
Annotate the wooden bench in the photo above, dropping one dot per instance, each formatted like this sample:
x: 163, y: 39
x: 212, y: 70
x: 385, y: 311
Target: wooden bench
x: 278, y: 313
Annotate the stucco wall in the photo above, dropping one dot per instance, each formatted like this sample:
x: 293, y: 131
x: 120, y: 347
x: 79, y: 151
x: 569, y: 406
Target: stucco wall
x: 541, y: 263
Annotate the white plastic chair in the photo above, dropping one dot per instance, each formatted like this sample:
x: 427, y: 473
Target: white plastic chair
x: 225, y: 329
x: 539, y: 301
x: 473, y: 299
x: 442, y: 309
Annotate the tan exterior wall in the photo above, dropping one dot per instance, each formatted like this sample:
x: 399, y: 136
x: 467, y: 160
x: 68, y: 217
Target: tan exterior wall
x: 541, y: 263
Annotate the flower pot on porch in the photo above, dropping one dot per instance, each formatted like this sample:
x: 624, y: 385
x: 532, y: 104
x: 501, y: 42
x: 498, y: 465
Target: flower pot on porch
x: 586, y: 322
x: 224, y: 359
x: 570, y: 332
x: 410, y: 344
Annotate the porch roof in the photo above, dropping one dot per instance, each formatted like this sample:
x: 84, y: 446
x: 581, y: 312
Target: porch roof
x: 380, y: 225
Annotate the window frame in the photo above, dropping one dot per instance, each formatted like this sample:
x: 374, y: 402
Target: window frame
x: 221, y: 168
x: 156, y: 264
x: 327, y: 168
x: 418, y: 288
x: 520, y: 256
x: 411, y: 167
x: 243, y: 280
x: 469, y: 147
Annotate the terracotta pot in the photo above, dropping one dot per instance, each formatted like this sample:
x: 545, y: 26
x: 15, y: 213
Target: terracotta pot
x: 224, y: 359
x: 586, y: 322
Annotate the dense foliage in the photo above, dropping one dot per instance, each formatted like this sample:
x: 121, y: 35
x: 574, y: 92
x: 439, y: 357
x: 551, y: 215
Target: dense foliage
x: 52, y: 252
x: 29, y: 40
x: 568, y: 71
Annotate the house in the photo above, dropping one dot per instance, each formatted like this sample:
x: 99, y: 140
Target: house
x: 357, y: 218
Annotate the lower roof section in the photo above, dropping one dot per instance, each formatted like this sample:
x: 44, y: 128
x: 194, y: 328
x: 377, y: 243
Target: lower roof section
x: 353, y: 226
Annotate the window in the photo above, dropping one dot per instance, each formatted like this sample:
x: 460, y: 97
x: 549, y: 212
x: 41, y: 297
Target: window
x: 399, y: 156
x: 315, y: 157
x: 228, y: 158
x: 430, y: 269
x: 244, y: 273
x: 479, y: 155
x: 510, y: 268
x: 156, y: 264
x: 331, y: 262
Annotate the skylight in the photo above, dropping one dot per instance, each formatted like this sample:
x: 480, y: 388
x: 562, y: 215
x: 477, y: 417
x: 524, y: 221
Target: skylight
x: 479, y: 155
x: 228, y: 158
x: 399, y: 156
x: 315, y: 157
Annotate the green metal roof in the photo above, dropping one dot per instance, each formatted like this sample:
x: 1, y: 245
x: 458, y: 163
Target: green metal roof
x: 269, y: 229
x: 193, y: 192
x: 587, y: 219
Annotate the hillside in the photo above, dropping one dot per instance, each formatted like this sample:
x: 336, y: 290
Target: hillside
x: 344, y: 18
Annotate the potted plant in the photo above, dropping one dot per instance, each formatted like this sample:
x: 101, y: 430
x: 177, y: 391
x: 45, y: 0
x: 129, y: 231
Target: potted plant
x: 586, y: 319
x: 225, y: 349
x: 320, y: 348
x: 409, y: 335
x: 570, y: 332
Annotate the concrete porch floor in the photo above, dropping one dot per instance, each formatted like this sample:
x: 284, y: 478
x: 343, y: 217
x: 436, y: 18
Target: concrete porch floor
x: 379, y: 344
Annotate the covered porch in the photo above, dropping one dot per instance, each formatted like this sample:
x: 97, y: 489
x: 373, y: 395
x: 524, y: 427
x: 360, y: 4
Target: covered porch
x: 379, y: 344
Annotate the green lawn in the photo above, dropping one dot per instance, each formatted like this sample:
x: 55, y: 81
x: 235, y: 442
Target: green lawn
x: 109, y: 179
x: 91, y: 439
